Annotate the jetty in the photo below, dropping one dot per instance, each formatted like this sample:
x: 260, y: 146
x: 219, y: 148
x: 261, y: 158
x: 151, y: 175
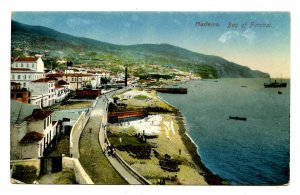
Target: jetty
x: 172, y: 90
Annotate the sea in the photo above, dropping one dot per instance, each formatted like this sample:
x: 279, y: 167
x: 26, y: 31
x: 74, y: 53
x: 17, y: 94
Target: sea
x: 255, y: 151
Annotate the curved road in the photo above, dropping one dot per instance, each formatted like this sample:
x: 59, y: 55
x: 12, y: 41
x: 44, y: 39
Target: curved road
x: 92, y: 157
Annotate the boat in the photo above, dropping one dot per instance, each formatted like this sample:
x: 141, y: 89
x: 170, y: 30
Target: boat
x: 237, y: 118
x: 275, y: 84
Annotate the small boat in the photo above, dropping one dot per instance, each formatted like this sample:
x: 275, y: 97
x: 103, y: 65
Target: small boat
x: 279, y: 92
x: 243, y: 86
x: 237, y: 118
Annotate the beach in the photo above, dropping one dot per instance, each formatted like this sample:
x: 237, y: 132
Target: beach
x: 170, y: 139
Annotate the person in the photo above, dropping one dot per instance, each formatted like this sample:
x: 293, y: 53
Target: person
x: 90, y: 129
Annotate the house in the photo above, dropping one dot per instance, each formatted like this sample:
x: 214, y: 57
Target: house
x: 61, y: 92
x: 27, y: 69
x: 42, y: 92
x: 32, y: 133
x: 19, y: 94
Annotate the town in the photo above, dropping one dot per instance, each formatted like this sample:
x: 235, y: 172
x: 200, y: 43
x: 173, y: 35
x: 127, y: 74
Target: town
x: 53, y: 110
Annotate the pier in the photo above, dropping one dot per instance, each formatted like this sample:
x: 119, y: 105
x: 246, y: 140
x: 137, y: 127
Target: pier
x: 172, y: 90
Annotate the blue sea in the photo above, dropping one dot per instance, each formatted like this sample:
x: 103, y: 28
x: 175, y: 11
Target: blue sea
x: 251, y: 152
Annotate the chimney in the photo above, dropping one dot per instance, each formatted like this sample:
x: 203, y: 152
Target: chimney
x: 125, y: 76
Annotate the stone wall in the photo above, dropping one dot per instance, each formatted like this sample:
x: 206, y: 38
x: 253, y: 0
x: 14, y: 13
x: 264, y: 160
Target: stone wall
x: 17, y: 132
x: 75, y: 134
x: 80, y: 174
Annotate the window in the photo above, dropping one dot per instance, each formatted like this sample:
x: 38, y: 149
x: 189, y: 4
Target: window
x: 17, y: 65
x: 29, y: 77
x: 24, y: 84
x: 45, y: 122
x: 21, y: 65
x: 27, y: 65
x: 13, y: 77
x: 19, y: 77
x: 24, y: 76
x: 32, y: 65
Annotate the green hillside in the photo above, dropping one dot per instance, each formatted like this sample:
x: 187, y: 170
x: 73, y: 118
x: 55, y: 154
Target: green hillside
x: 55, y: 45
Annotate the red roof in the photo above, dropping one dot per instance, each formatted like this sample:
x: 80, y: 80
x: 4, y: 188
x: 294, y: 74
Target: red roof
x: 38, y: 114
x: 55, y: 75
x: 31, y: 137
x: 26, y: 59
x: 20, y: 69
x: 43, y: 80
x: 78, y: 75
x: 57, y: 86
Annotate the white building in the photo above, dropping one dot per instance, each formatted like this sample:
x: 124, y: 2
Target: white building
x: 26, y: 69
x: 42, y: 92
x: 61, y: 92
x: 32, y: 132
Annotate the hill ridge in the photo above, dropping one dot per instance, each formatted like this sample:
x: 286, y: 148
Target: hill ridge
x: 39, y: 39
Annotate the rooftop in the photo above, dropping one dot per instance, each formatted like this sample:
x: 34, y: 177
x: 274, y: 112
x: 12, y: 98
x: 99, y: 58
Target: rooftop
x: 38, y: 114
x: 57, y: 86
x: 26, y: 59
x: 78, y: 75
x: 55, y: 75
x: 31, y: 137
x: 44, y: 80
x: 19, y: 111
x: 20, y: 69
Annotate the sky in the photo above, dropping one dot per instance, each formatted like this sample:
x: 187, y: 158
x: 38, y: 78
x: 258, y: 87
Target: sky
x: 259, y: 40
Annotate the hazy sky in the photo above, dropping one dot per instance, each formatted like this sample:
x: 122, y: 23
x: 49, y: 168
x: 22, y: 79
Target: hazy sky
x: 260, y: 40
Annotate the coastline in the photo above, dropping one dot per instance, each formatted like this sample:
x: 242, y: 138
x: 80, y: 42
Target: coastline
x: 171, y: 140
x: 210, y: 178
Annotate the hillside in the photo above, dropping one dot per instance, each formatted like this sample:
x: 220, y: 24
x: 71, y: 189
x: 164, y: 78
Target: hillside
x: 54, y: 45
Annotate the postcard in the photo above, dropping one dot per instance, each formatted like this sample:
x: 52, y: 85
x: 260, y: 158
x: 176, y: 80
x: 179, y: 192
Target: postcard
x: 149, y: 98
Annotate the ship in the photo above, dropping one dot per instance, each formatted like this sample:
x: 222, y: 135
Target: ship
x: 237, y: 118
x: 275, y: 84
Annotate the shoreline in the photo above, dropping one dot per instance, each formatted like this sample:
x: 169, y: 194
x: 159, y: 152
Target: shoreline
x: 210, y: 177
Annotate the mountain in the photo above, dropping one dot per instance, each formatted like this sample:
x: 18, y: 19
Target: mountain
x: 54, y: 45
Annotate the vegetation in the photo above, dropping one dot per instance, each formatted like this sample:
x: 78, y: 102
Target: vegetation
x: 141, y: 97
x: 72, y: 105
x: 66, y: 176
x: 25, y: 173
x: 55, y: 45
x: 206, y: 72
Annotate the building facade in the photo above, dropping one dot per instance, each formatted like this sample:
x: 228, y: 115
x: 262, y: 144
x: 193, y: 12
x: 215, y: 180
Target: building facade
x: 32, y: 132
x: 42, y: 92
x: 27, y: 69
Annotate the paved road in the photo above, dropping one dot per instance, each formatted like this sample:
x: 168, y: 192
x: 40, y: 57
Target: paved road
x: 92, y: 155
x: 92, y: 158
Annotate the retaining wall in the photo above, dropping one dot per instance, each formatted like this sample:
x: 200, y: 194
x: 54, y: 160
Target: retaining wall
x: 75, y: 134
x: 80, y: 175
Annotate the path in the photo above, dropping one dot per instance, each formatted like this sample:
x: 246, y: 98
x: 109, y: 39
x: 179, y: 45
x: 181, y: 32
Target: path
x: 101, y: 169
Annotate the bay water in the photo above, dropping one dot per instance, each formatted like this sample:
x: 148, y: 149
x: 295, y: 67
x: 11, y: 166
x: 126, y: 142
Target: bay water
x: 251, y: 152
